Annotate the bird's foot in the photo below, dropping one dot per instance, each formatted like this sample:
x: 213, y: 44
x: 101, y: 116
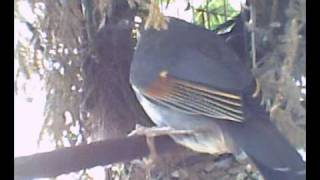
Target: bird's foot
x: 157, y: 131
x: 150, y: 133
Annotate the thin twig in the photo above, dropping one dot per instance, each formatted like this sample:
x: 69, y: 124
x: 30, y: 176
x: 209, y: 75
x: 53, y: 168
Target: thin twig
x: 253, y: 41
x: 225, y: 10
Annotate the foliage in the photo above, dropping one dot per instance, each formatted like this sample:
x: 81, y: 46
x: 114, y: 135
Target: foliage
x: 213, y: 13
x: 61, y: 40
x: 62, y: 37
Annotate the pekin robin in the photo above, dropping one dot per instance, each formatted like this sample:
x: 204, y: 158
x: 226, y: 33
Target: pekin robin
x: 187, y: 78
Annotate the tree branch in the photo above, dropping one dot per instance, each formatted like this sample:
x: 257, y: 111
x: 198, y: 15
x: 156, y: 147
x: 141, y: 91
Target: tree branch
x: 71, y: 159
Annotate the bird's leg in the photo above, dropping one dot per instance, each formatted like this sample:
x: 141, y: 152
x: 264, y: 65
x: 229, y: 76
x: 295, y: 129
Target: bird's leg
x: 153, y: 157
x: 150, y: 133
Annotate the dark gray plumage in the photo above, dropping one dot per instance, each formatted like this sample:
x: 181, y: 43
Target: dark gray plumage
x: 187, y: 78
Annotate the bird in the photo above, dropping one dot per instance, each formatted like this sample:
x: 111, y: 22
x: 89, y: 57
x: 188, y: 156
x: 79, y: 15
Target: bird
x: 187, y: 78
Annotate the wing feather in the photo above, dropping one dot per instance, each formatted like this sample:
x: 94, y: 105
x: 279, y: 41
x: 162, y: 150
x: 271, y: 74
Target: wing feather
x: 194, y: 98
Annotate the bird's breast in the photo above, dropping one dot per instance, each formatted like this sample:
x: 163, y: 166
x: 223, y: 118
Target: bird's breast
x: 207, y: 136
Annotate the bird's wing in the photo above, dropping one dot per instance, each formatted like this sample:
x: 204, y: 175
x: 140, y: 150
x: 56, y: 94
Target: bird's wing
x: 194, y: 98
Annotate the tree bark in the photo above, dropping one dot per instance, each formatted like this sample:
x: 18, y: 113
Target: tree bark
x: 51, y: 164
x: 109, y: 97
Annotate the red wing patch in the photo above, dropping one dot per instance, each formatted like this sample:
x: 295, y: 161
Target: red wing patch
x: 193, y: 98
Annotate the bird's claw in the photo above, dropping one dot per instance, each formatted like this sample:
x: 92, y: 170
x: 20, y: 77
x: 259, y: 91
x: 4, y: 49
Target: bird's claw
x: 157, y: 131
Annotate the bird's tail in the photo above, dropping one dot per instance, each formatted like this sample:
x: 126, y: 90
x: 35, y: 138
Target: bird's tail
x: 270, y: 151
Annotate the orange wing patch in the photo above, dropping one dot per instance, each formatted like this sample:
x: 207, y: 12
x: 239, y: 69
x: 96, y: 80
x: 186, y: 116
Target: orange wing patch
x: 194, y: 98
x: 161, y: 87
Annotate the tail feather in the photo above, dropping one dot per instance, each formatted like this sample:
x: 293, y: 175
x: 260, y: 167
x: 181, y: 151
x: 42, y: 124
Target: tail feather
x: 278, y: 174
x: 259, y: 138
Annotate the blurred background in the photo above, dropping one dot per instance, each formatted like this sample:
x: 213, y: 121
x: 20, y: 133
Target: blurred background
x: 62, y: 96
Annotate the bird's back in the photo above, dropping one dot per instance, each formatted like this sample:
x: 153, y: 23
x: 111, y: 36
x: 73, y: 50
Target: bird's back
x: 190, y: 52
